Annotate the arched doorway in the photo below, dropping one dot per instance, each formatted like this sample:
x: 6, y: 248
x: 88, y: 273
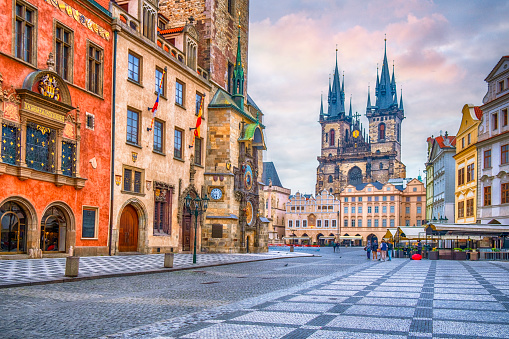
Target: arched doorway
x: 372, y: 238
x: 358, y: 242
x: 319, y: 240
x: 128, y: 231
x: 13, y: 233
x: 53, y: 230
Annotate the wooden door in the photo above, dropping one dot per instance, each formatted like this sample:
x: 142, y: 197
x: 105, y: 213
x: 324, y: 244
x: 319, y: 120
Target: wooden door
x: 186, y: 233
x: 128, y: 232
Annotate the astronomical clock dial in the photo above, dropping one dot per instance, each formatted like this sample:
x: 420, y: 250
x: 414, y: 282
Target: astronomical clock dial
x: 248, y: 178
x: 216, y: 194
x: 249, y: 213
x: 355, y: 134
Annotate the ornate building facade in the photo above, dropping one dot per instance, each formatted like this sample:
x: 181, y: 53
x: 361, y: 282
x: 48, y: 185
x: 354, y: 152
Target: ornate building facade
x: 349, y: 155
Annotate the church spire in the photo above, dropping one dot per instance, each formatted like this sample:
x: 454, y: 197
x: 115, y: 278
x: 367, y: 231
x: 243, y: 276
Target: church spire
x: 385, y: 94
x: 393, y: 87
x: 238, y: 75
x: 368, y: 107
x: 337, y: 97
x: 321, y: 106
x: 401, y: 101
x: 350, y: 112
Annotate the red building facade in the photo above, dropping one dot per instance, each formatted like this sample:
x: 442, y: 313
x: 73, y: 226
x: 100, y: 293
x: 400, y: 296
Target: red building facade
x: 55, y: 114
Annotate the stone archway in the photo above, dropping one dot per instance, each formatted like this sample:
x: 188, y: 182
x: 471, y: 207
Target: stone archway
x: 142, y: 216
x: 67, y: 227
x: 31, y: 228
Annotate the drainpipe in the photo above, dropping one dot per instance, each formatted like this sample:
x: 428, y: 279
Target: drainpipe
x: 112, y: 180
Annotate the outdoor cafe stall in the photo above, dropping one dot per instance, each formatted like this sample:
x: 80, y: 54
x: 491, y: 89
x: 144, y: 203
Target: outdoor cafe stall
x: 471, y: 241
x: 295, y: 240
x: 350, y: 240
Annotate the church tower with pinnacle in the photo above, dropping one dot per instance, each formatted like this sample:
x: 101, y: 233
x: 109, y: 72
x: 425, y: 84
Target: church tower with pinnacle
x: 349, y: 153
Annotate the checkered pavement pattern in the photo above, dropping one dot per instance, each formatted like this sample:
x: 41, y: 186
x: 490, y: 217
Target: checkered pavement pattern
x: 26, y: 271
x: 396, y: 299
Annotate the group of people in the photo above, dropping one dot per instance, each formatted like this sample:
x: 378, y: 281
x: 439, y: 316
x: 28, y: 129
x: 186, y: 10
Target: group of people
x: 385, y: 250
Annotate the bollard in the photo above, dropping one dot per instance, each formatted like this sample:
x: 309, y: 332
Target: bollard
x: 168, y: 260
x: 291, y: 248
x: 72, y: 266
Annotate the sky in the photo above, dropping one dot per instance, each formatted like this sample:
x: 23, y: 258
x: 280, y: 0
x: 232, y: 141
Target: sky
x: 442, y: 52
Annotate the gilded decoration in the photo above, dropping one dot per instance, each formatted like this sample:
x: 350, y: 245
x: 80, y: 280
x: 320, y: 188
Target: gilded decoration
x: 118, y: 179
x: 48, y: 87
x: 134, y: 156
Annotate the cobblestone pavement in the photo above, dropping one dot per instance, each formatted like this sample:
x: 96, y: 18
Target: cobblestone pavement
x: 30, y: 271
x: 332, y: 296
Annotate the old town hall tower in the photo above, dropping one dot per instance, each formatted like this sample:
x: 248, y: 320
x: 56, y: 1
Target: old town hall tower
x: 349, y: 155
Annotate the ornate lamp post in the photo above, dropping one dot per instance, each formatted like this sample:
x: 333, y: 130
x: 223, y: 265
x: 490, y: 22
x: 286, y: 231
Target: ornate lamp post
x: 196, y: 207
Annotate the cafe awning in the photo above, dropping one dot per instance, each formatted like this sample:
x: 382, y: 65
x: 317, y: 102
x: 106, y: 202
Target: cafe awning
x: 390, y: 233
x: 327, y: 237
x: 487, y: 230
x: 411, y: 233
x: 297, y: 238
x: 351, y: 237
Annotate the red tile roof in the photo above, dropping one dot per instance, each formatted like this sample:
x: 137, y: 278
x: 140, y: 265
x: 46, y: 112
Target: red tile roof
x: 441, y: 139
x: 171, y: 30
x: 478, y: 112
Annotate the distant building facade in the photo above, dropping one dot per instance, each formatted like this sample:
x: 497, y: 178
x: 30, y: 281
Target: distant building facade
x: 312, y: 219
x: 493, y: 148
x: 466, y: 163
x: 440, y: 173
x: 275, y: 198
x: 349, y: 155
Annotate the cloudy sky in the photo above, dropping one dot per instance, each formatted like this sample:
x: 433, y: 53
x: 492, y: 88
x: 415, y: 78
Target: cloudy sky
x: 442, y: 51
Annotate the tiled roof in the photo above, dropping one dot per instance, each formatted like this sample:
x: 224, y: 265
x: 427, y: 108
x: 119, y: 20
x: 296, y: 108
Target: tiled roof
x: 270, y: 173
x: 452, y: 141
x: 171, y: 30
x: 478, y: 112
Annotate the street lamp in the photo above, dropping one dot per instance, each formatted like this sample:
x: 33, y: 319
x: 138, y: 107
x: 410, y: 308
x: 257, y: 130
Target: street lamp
x: 197, y: 207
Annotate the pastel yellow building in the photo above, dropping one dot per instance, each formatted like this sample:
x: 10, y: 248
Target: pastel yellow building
x: 466, y: 162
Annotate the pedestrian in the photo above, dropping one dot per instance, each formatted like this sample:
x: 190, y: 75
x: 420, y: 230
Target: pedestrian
x: 374, y: 249
x: 368, y: 249
x: 383, y: 250
x: 419, y: 248
x: 389, y: 250
x: 334, y: 245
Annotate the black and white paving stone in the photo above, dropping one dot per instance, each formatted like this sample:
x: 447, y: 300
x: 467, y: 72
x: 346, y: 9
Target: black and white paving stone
x: 311, y: 297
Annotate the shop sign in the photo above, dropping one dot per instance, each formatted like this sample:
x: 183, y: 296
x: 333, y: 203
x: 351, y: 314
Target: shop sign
x: 74, y: 13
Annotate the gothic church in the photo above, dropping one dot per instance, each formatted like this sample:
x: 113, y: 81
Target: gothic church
x: 348, y: 154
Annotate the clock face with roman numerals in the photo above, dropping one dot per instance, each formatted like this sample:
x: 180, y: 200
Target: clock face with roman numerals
x: 216, y: 193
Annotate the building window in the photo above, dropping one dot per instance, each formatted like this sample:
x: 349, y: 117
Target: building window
x: 160, y: 87
x: 384, y: 209
x: 90, y: 121
x: 353, y: 199
x: 376, y: 198
x: 359, y: 209
x: 158, y: 136
x: 470, y: 207
x: 297, y: 223
x: 290, y: 223
x: 353, y: 222
x: 384, y: 198
x: 381, y: 131
x: 419, y: 198
x: 149, y: 19
x: 179, y: 93
x: 487, y: 159
x: 495, y: 121
x: 369, y: 222
x: 500, y: 86
x: 133, y: 68
x: 162, y: 208
x: 304, y: 223
x: 407, y: 222
x: 369, y: 198
x: 89, y: 228
x: 384, y: 222
x: 40, y: 148
x: 504, y: 117
x: 369, y: 209
x: 376, y: 209
x: 177, y: 148
x: 487, y: 196
x: 25, y: 33
x: 231, y: 6
x: 392, y: 197
x: 197, y: 150
x: 330, y: 178
x: 353, y: 209
x: 133, y: 122
x: 470, y: 172
x: 95, y: 69
x: 419, y: 222
x: 392, y: 223
x: 407, y: 210
x: 392, y: 209
x: 346, y: 199
x: 333, y: 223
x: 463, y: 142
x: 68, y: 158
x: 461, y: 176
x: 63, y: 52
x: 359, y: 223
x: 505, y: 193
x: 419, y: 209
x: 346, y: 209
x: 504, y: 155
x: 407, y: 199
x: 133, y: 180
x: 318, y: 223
x: 468, y: 139
x: 199, y: 99
x: 345, y: 223
x: 11, y: 136
x: 461, y: 209
x: 326, y: 223
x: 332, y: 137
x: 376, y: 222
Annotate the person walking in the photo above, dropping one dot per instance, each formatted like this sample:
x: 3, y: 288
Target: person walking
x: 374, y: 249
x: 383, y: 250
x: 368, y: 249
x: 419, y: 248
x: 389, y: 250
